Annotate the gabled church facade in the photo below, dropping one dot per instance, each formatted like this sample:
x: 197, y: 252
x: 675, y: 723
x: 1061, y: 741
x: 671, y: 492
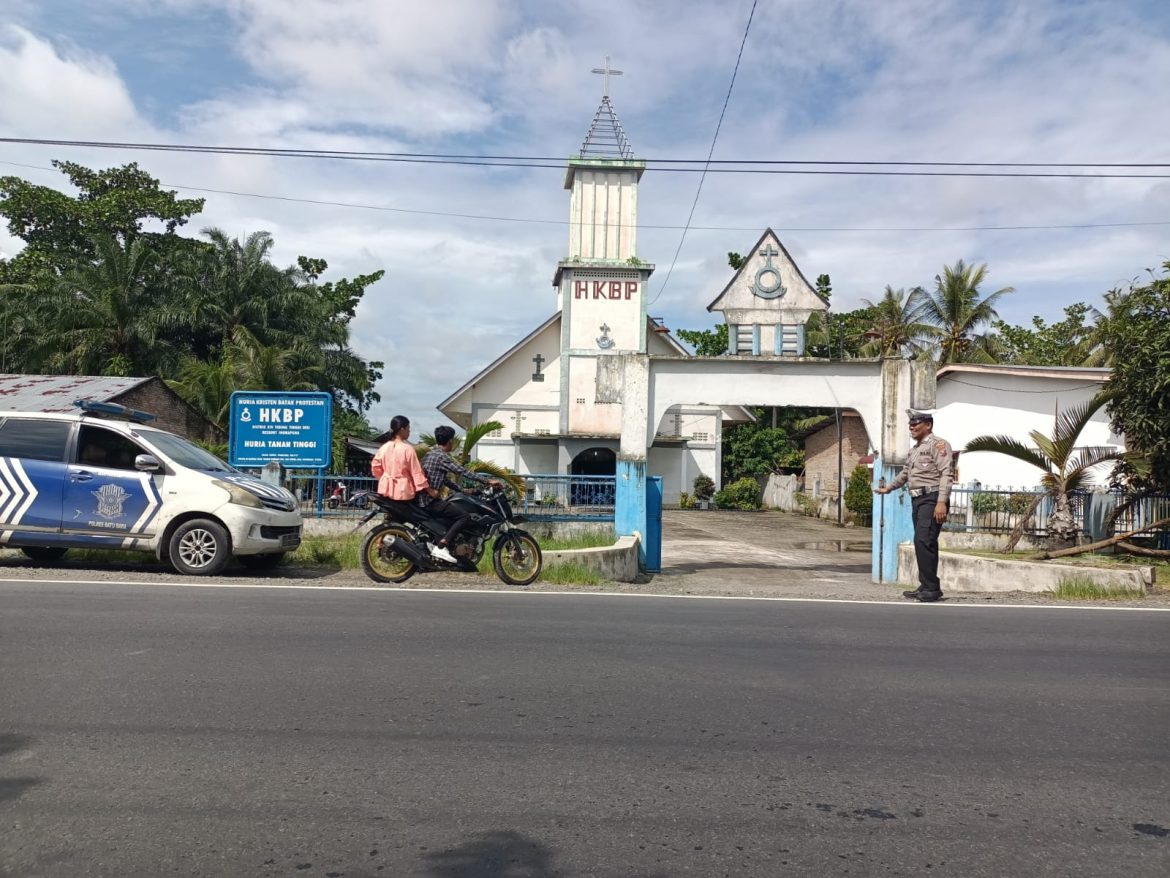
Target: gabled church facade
x: 768, y: 302
x: 558, y: 390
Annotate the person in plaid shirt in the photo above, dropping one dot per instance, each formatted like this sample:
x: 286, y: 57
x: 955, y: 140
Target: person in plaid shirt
x: 439, y: 467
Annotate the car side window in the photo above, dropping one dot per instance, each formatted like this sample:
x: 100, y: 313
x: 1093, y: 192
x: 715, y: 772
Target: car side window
x: 34, y: 440
x: 99, y: 447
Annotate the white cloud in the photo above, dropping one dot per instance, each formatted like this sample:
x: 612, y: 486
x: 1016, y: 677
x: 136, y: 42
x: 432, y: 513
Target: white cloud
x: 63, y: 93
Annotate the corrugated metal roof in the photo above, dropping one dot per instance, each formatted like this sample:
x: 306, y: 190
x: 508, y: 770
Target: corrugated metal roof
x: 56, y: 393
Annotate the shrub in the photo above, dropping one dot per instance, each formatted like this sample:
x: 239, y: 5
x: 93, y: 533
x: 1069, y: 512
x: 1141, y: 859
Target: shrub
x: 742, y: 494
x: 806, y: 504
x: 1020, y: 502
x: 858, y: 493
x: 985, y: 503
x: 686, y: 501
x: 704, y: 487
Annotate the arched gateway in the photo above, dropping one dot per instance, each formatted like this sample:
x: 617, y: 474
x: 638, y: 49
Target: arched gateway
x: 878, y: 390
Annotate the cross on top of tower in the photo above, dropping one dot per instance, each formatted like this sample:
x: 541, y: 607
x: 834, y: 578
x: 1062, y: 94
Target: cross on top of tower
x: 607, y: 72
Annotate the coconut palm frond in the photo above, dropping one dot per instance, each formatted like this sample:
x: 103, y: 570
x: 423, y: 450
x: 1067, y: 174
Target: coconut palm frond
x: 473, y: 435
x: 1072, y: 421
x: 1012, y: 448
x: 514, y: 481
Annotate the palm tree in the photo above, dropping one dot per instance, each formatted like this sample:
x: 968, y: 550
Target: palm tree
x: 462, y: 453
x: 897, y: 326
x: 233, y: 284
x: 958, y: 315
x: 106, y: 314
x: 1066, y: 467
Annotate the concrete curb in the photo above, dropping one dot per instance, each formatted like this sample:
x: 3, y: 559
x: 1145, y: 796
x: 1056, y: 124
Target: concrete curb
x: 968, y: 573
x: 618, y: 562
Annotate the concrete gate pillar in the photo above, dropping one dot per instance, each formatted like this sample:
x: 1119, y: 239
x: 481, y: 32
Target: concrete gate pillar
x: 905, y: 384
x: 630, y: 493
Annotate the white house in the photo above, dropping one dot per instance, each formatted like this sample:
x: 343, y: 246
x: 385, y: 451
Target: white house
x: 976, y: 400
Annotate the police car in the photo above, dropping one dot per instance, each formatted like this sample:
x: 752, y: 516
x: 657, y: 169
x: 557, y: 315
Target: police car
x: 102, y: 478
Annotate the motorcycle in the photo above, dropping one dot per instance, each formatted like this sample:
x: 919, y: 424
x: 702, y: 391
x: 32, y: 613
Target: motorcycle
x: 400, y: 546
x: 359, y: 500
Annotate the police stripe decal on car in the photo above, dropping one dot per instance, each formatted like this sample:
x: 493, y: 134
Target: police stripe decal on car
x: 17, y: 492
x: 153, y: 501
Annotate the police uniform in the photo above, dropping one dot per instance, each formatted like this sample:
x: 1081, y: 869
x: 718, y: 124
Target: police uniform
x: 927, y: 473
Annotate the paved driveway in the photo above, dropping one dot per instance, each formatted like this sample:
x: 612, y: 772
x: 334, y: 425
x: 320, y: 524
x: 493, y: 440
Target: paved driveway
x: 766, y: 554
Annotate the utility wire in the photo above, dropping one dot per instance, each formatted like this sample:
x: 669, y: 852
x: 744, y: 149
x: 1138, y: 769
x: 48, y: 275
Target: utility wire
x: 549, y: 222
x: 703, y: 167
x: 710, y: 152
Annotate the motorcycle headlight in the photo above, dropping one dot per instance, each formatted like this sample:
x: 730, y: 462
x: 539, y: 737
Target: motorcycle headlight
x: 239, y: 496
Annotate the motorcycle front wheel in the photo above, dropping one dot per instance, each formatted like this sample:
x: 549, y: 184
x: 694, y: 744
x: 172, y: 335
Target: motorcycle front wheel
x: 517, y: 560
x: 380, y: 561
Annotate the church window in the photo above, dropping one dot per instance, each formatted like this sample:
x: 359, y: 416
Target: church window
x: 580, y: 400
x: 701, y: 437
x: 790, y: 340
x: 745, y: 338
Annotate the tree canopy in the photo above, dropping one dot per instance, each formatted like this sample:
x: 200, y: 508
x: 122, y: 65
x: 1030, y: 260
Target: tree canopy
x: 106, y: 285
x: 1138, y: 339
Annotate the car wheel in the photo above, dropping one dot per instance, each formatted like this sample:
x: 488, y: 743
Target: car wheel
x: 44, y: 554
x: 200, y: 547
x: 261, y: 562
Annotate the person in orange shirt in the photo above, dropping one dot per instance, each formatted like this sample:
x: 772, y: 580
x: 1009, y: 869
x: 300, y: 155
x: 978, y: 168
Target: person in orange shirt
x: 400, y: 476
x: 396, y: 467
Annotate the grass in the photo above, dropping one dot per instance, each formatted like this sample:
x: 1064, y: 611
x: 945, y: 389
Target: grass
x: 343, y: 552
x: 1085, y: 588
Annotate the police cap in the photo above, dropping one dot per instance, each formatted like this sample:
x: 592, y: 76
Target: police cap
x: 917, y: 416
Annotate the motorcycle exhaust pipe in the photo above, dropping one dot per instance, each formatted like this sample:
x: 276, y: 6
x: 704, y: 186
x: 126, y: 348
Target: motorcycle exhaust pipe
x: 413, y: 552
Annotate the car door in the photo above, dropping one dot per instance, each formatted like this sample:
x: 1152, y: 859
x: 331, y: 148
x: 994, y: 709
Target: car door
x: 107, y: 501
x: 32, y: 476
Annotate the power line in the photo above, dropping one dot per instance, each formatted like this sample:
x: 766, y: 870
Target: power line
x: 549, y: 222
x: 703, y: 167
x: 710, y: 152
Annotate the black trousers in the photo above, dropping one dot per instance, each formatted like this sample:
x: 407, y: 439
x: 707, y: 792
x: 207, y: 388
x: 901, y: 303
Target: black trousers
x: 926, y: 531
x: 458, y: 518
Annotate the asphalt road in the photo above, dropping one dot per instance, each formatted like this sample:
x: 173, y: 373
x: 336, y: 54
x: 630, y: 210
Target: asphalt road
x: 151, y: 730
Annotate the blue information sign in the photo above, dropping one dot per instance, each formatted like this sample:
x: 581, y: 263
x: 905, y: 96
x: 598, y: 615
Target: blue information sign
x: 293, y: 428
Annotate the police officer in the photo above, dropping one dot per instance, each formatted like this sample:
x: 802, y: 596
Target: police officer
x: 928, y: 472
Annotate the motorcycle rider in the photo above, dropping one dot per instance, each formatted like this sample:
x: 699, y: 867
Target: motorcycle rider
x: 439, y: 467
x: 396, y: 466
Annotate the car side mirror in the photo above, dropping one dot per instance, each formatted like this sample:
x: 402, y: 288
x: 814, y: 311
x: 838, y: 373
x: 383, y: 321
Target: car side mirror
x: 147, y: 463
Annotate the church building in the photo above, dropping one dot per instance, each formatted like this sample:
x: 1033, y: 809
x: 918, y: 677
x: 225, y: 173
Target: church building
x: 554, y: 389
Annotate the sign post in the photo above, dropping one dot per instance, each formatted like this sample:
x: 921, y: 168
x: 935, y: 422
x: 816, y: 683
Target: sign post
x: 295, y: 429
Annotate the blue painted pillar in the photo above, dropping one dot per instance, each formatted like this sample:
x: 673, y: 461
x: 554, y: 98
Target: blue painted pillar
x: 892, y: 524
x: 630, y: 502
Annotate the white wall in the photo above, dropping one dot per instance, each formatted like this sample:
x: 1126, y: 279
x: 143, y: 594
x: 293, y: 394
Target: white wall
x: 974, y: 404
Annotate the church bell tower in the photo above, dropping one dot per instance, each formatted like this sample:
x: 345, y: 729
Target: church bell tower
x: 601, y: 284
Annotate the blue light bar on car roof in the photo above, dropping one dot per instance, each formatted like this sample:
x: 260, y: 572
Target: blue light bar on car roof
x: 96, y: 407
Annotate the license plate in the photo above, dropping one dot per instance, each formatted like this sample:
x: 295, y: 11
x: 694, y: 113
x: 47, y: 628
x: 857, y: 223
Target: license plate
x: 290, y: 541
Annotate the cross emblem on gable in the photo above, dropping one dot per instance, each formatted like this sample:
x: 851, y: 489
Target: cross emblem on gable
x: 538, y: 360
x: 518, y: 417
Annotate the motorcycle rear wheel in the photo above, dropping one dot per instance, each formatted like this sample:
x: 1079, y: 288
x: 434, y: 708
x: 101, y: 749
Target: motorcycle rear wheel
x: 379, y: 561
x: 517, y: 560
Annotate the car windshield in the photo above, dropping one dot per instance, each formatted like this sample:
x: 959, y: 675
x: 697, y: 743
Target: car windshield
x: 185, y: 453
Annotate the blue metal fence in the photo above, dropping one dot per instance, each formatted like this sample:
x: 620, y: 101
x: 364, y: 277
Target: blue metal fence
x: 986, y: 509
x: 546, y: 497
x: 568, y: 498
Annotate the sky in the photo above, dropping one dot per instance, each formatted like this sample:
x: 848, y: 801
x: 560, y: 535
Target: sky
x: 1045, y: 81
